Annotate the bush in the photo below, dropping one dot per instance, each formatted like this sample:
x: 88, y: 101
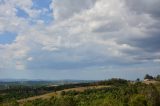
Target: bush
x: 138, y: 100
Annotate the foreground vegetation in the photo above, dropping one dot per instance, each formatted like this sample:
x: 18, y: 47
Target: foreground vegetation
x: 127, y: 95
x: 118, y: 93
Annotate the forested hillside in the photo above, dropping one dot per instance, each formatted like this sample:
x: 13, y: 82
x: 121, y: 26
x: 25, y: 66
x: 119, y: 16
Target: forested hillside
x: 113, y: 92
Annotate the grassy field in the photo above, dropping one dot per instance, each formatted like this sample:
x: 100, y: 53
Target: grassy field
x: 49, y: 95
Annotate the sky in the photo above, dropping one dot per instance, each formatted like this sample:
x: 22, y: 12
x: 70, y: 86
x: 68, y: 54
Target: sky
x: 79, y: 39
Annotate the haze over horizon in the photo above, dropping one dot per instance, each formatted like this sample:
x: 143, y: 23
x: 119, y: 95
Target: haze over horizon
x: 79, y: 39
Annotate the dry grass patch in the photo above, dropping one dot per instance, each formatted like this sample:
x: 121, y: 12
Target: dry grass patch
x: 57, y: 93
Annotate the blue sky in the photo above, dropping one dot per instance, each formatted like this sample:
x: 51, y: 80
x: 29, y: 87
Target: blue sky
x: 21, y: 13
x: 7, y: 37
x: 79, y: 39
x: 41, y: 3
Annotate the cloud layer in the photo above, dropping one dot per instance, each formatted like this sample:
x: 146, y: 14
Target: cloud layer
x: 80, y: 35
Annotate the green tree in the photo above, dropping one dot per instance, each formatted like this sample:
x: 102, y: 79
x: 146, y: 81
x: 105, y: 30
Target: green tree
x: 137, y: 80
x: 158, y: 77
x: 147, y: 76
